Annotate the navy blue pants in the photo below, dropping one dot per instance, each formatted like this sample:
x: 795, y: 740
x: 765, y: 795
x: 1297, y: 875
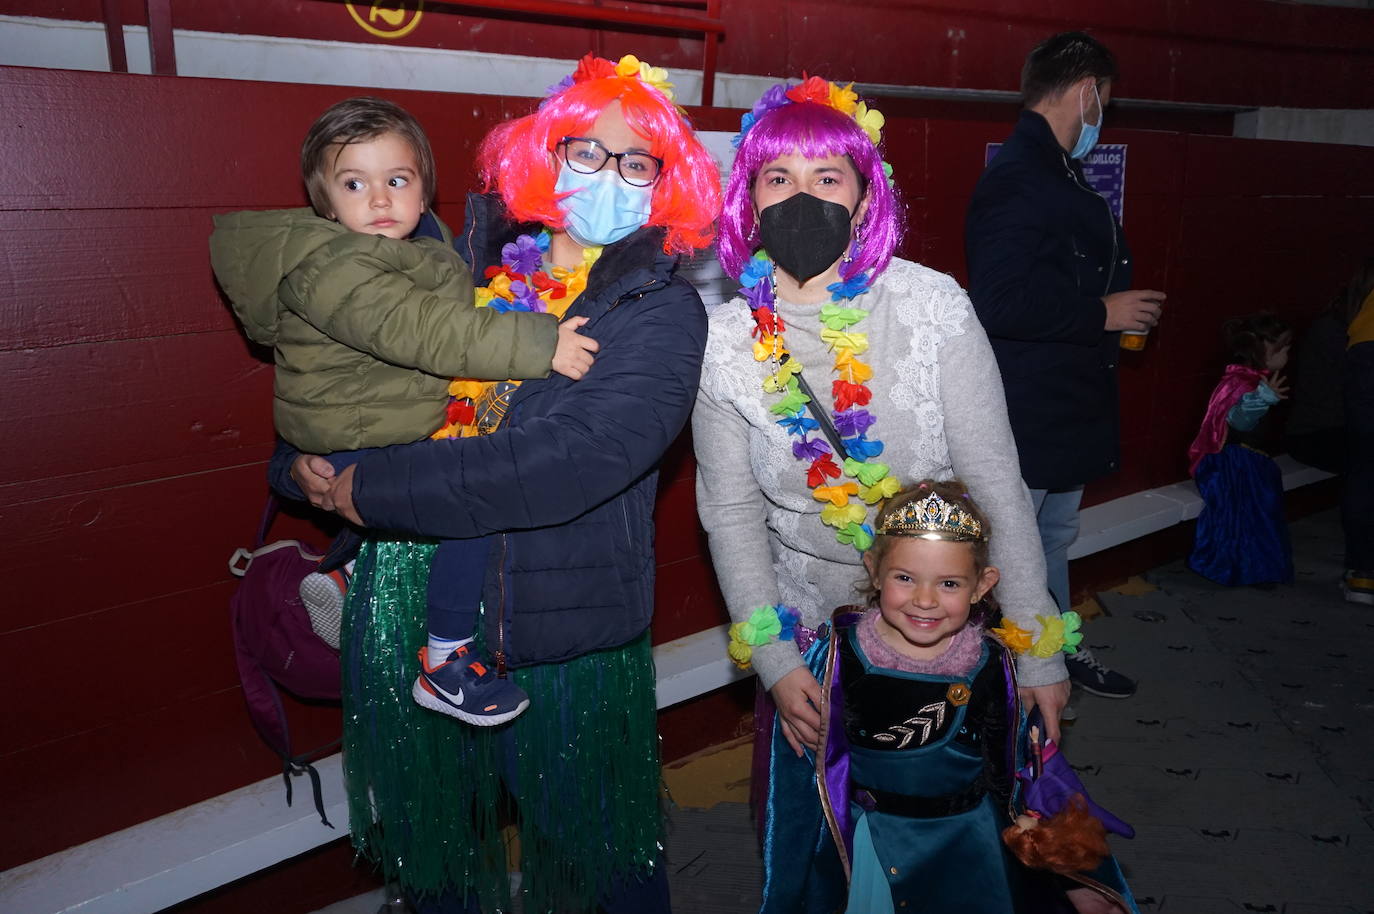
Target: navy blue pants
x: 455, y: 577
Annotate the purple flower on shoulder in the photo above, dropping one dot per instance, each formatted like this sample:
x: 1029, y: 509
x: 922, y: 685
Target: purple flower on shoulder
x: 809, y: 449
x: 523, y: 255
x: 853, y: 422
x: 757, y: 295
x: 526, y: 298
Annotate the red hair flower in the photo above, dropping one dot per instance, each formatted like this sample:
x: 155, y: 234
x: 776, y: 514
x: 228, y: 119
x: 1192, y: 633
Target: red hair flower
x: 593, y: 67
x: 813, y: 89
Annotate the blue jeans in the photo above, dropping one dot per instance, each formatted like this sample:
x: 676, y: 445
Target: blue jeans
x: 1056, y: 515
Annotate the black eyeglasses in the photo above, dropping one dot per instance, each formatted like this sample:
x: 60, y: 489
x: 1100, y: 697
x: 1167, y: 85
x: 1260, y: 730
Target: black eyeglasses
x: 587, y: 157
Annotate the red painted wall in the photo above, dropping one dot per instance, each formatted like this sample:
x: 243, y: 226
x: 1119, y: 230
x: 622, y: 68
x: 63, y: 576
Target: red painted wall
x: 136, y: 418
x: 1246, y: 52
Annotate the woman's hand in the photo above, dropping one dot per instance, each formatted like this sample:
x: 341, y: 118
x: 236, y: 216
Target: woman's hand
x: 341, y: 495
x: 1051, y: 699
x: 798, y: 697
x: 315, y: 476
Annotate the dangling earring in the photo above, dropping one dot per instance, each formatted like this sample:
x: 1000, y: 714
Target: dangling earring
x: 855, y: 247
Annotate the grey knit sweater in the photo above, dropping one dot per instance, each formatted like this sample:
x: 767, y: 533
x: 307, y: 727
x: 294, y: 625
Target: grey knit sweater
x: 940, y: 409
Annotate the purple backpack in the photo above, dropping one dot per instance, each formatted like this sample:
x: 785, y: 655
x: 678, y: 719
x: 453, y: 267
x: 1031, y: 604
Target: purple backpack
x: 274, y: 645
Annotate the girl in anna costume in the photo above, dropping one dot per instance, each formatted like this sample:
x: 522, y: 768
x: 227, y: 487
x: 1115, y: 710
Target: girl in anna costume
x: 922, y: 768
x: 597, y: 193
x: 840, y: 372
x: 1242, y: 534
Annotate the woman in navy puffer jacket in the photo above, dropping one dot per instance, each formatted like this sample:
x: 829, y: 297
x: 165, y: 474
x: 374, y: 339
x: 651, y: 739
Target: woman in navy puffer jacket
x: 566, y: 489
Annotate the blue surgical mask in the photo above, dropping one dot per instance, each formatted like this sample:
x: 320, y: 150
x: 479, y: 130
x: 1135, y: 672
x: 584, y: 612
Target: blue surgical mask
x: 1087, y: 137
x: 602, y: 208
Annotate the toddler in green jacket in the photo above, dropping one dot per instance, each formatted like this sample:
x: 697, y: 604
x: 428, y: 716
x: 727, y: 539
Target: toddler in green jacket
x: 370, y: 314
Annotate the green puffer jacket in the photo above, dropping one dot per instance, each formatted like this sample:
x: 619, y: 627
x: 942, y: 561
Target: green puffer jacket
x: 367, y: 330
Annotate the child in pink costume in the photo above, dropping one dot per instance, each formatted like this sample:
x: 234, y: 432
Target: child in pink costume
x: 1242, y: 536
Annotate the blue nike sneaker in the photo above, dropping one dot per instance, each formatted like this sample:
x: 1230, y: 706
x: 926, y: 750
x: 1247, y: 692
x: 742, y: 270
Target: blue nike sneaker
x: 466, y: 688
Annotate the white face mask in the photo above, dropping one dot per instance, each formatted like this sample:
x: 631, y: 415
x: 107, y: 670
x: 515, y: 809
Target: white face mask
x: 602, y: 208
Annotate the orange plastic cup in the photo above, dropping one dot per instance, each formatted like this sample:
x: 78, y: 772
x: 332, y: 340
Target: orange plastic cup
x: 1134, y: 340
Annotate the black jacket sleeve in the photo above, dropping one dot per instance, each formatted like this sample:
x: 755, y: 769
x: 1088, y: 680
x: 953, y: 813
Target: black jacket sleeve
x: 588, y: 445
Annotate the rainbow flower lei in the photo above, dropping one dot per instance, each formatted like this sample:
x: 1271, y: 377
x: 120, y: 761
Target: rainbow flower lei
x: 869, y: 481
x: 519, y: 284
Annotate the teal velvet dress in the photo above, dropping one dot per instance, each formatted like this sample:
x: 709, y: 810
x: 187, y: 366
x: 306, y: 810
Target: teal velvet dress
x: 905, y: 808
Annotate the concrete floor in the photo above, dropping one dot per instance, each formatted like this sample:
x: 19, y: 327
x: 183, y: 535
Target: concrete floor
x: 1244, y: 761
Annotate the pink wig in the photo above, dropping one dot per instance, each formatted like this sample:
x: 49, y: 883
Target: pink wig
x: 815, y: 131
x: 518, y: 159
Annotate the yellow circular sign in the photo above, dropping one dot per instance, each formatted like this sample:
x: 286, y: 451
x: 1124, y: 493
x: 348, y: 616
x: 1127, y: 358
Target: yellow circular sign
x: 387, y: 20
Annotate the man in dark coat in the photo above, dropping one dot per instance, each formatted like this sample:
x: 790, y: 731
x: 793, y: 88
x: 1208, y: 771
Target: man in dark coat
x: 1050, y: 275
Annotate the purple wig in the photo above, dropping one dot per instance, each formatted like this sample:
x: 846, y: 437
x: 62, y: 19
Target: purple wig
x: 815, y: 131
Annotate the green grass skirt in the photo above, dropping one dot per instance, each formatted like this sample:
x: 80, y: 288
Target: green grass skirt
x: 578, y: 772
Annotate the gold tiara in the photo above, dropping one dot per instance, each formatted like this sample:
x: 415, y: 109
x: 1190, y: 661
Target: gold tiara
x: 933, y: 518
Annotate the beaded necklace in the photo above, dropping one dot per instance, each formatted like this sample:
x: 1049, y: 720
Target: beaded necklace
x: 519, y: 284
x: 869, y: 481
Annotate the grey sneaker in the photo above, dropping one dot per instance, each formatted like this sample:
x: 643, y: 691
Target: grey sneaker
x: 323, y: 597
x: 1091, y: 675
